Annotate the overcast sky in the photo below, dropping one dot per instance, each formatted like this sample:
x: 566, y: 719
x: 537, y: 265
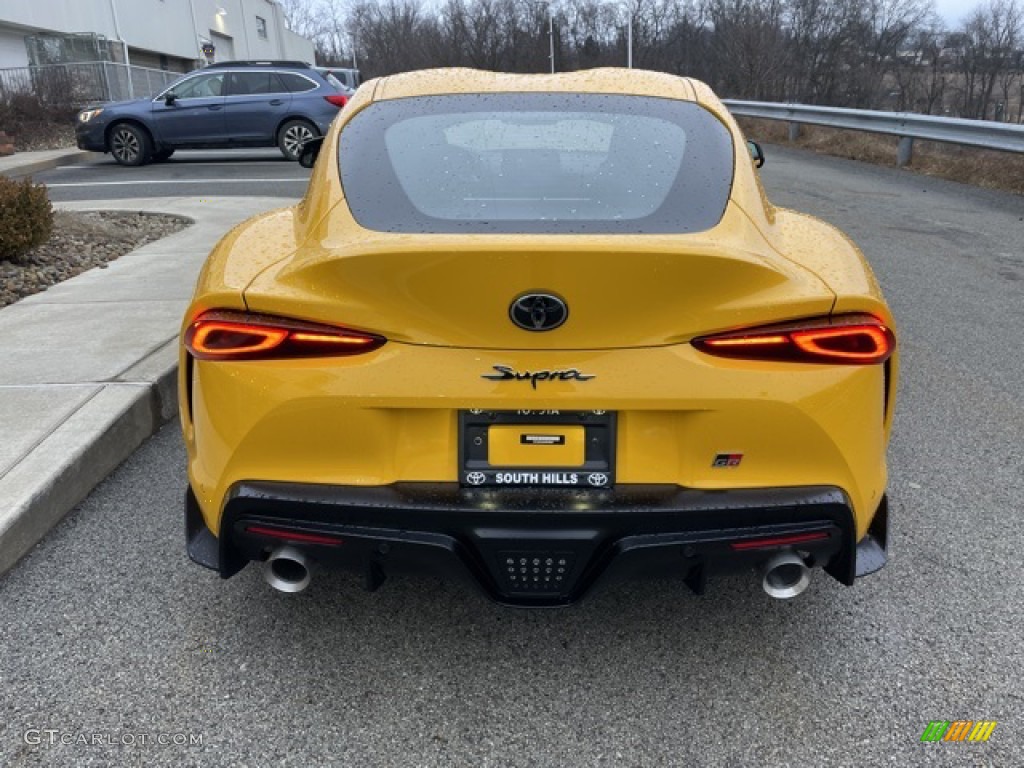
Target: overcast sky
x: 954, y: 11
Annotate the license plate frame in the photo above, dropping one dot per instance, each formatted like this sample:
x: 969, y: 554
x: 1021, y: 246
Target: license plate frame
x: 596, y: 471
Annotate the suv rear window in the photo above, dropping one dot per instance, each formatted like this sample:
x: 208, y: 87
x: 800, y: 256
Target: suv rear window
x: 520, y: 162
x: 297, y: 83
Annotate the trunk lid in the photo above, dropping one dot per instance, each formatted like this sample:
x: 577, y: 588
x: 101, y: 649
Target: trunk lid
x: 620, y: 290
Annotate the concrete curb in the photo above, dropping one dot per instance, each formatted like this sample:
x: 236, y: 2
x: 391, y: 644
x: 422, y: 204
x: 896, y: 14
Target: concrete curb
x: 72, y: 420
x: 14, y: 169
x: 78, y: 455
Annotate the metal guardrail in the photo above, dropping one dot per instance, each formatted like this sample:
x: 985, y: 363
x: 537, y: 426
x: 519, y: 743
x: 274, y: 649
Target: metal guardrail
x: 84, y: 82
x: 1005, y: 137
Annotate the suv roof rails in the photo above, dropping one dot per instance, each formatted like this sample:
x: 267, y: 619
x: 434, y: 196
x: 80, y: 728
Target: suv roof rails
x: 261, y: 63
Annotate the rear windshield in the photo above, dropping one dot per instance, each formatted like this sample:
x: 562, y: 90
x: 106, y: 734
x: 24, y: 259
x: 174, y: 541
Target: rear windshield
x: 533, y: 163
x: 338, y: 85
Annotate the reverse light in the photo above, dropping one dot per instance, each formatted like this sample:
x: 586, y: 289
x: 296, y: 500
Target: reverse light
x: 222, y: 335
x: 337, y: 99
x: 844, y: 340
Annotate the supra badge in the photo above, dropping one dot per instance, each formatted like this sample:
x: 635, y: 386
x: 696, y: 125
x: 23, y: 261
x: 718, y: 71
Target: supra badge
x: 506, y: 373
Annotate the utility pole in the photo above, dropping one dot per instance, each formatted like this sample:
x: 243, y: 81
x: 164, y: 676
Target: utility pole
x: 124, y: 48
x: 629, y: 42
x: 551, y: 39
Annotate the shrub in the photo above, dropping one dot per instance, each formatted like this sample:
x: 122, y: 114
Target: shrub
x: 26, y: 217
x: 36, y: 124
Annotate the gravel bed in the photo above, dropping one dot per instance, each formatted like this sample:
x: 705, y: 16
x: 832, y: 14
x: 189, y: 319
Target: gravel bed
x: 82, y: 241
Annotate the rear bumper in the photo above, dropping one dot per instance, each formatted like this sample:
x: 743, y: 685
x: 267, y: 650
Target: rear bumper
x: 536, y: 548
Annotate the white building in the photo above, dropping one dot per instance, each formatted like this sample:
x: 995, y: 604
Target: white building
x: 171, y: 35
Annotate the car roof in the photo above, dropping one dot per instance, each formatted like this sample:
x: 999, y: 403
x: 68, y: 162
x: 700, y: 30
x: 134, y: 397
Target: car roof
x: 256, y: 63
x: 613, y: 80
x: 605, y: 80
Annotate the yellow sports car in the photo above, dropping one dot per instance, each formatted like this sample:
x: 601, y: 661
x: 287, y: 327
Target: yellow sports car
x: 539, y: 331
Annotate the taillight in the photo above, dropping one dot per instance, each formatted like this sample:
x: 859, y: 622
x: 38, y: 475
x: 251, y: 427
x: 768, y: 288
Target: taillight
x: 223, y: 335
x: 846, y: 340
x: 337, y: 99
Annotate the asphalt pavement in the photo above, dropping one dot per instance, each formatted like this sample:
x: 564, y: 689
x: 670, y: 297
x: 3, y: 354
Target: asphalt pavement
x: 188, y: 173
x: 110, y: 635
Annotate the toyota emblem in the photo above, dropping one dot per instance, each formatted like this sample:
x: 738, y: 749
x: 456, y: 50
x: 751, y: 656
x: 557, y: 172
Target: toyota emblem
x: 538, y: 311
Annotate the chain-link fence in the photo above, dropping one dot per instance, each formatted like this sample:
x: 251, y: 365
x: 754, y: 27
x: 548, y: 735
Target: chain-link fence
x: 83, y: 83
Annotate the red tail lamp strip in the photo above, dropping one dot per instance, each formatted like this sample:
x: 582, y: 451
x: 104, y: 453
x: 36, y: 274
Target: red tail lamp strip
x: 225, y: 335
x: 306, y: 538
x: 847, y: 339
x: 779, y: 541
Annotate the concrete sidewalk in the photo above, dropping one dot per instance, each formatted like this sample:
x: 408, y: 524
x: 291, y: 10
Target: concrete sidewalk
x: 88, y: 368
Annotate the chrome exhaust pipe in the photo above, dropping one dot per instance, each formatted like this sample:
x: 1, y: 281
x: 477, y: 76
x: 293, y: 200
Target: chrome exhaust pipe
x: 785, y: 575
x: 287, y: 570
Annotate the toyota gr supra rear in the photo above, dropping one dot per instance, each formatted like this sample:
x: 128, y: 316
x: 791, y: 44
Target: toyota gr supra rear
x: 539, y: 331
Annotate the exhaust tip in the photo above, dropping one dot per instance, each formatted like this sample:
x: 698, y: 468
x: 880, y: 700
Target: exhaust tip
x: 785, y: 576
x: 287, y: 570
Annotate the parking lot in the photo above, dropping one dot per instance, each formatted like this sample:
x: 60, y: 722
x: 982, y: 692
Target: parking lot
x: 109, y: 632
x: 189, y: 173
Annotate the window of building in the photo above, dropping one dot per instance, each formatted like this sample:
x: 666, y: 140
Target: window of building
x: 261, y: 27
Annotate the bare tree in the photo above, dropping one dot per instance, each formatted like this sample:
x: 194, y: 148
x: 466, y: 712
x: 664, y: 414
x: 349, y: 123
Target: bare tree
x: 749, y: 51
x: 818, y: 42
x: 990, y: 41
x: 921, y: 74
x: 391, y: 36
x: 879, y: 32
x: 863, y: 53
x: 593, y: 33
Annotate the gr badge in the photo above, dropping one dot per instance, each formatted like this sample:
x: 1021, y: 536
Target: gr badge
x: 727, y: 460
